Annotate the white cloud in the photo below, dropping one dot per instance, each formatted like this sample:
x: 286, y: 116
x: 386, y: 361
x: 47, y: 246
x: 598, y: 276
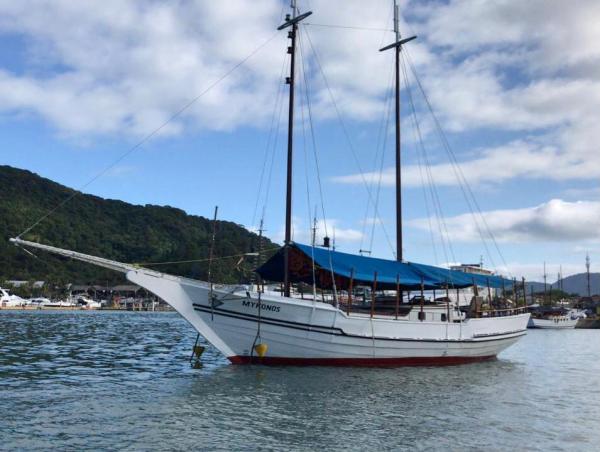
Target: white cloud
x: 531, y: 68
x: 554, y: 221
x: 302, y: 232
x: 523, y: 158
x: 527, y: 67
x: 127, y: 66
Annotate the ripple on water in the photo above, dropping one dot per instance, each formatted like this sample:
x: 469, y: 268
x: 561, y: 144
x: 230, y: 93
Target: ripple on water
x: 113, y: 380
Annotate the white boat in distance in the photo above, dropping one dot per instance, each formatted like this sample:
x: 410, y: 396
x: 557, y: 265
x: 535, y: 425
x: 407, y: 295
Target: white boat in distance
x: 554, y: 318
x: 249, y: 326
x: 8, y: 300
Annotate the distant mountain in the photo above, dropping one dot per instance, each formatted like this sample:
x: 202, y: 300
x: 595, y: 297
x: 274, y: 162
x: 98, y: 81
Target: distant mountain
x: 112, y: 229
x: 575, y: 284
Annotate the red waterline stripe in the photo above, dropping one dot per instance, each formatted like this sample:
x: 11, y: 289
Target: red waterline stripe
x: 360, y: 362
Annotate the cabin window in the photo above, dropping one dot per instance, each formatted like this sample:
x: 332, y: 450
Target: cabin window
x: 421, y: 315
x: 444, y: 318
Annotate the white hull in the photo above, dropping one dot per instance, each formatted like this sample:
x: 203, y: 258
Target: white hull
x: 305, y: 332
x: 556, y: 323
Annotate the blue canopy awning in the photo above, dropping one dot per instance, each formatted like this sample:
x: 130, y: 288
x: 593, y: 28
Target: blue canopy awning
x: 364, y: 270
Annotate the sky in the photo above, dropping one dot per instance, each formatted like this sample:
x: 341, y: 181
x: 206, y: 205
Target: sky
x: 183, y: 104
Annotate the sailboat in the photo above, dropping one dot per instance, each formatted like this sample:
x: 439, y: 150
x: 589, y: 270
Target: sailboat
x: 549, y: 316
x: 250, y: 325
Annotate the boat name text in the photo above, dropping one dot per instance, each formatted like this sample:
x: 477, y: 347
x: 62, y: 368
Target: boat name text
x: 266, y: 307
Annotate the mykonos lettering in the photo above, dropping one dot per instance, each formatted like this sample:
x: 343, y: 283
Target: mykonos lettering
x: 263, y: 306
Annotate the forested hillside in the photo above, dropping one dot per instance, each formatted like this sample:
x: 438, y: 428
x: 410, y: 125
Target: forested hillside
x: 112, y: 229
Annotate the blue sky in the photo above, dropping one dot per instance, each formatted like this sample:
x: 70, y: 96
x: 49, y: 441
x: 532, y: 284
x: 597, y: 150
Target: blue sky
x: 515, y: 88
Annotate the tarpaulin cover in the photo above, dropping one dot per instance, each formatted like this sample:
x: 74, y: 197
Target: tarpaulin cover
x: 365, y: 270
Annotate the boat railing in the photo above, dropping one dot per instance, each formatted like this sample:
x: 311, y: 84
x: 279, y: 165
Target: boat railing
x: 505, y: 312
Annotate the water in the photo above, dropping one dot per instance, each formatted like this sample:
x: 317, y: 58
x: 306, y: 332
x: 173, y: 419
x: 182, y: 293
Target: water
x: 116, y: 380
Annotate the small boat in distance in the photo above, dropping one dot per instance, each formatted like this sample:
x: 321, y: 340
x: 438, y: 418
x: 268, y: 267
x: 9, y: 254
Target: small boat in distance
x: 8, y: 300
x: 84, y: 302
x: 553, y: 317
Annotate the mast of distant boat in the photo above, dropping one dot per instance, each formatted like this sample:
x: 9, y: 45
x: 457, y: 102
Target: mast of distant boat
x: 290, y: 21
x: 397, y: 46
x: 587, y: 268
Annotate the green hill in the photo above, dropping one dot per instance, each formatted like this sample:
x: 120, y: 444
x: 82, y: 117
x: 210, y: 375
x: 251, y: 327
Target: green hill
x: 112, y: 229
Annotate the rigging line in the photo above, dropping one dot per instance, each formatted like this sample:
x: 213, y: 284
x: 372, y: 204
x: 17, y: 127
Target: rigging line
x: 196, y: 260
x: 350, y: 27
x: 438, y: 212
x: 312, y: 134
x: 426, y: 202
x: 313, y: 228
x: 419, y: 144
x: 273, y: 153
x: 314, y: 142
x: 383, y: 124
x: 385, y: 112
x: 461, y: 176
x: 425, y: 196
x: 347, y: 136
x: 430, y: 182
x: 305, y: 152
x: 435, y: 196
x: 269, y: 138
x: 383, y: 148
x: 150, y: 135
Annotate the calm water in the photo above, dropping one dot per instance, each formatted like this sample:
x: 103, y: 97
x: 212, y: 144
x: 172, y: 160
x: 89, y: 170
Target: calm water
x: 102, y: 380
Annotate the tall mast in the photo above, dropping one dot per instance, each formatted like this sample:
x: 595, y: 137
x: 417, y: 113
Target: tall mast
x: 398, y: 156
x: 397, y: 46
x: 290, y: 21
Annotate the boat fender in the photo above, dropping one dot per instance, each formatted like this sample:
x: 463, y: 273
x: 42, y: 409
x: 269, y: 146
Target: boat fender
x: 261, y: 350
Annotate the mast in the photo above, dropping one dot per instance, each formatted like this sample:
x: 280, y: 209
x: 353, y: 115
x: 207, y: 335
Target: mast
x: 587, y: 267
x: 290, y: 21
x: 560, y: 277
x: 545, y: 298
x: 398, y: 156
x: 397, y: 46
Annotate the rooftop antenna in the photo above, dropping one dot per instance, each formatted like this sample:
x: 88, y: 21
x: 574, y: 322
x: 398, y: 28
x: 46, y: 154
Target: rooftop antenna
x: 397, y: 46
x: 333, y: 240
x: 290, y: 21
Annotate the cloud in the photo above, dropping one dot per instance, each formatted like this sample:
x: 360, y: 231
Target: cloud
x: 127, y: 66
x: 553, y: 221
x: 302, y: 232
x: 510, y: 66
x: 523, y: 158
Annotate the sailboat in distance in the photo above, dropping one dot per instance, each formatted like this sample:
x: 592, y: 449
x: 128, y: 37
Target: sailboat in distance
x: 249, y: 324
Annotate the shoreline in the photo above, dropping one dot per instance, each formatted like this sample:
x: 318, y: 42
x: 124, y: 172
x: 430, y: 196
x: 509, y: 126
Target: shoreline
x: 68, y: 308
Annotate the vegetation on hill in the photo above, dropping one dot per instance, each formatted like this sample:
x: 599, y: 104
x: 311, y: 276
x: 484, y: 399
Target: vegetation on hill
x: 112, y: 229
